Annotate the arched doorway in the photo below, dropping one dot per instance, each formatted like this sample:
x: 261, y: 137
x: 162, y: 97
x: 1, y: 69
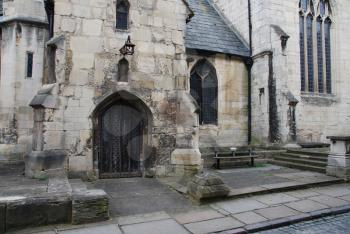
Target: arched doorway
x: 121, y: 137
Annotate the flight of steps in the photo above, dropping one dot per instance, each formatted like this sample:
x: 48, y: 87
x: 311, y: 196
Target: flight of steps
x: 309, y: 160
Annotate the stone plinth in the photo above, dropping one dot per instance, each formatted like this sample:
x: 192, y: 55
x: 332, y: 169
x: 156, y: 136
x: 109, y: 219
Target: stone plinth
x: 206, y: 187
x: 89, y: 206
x: 339, y: 157
x: 188, y: 162
x: 40, y: 163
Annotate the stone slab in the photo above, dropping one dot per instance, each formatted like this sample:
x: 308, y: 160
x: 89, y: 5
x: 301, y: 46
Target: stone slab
x: 249, y: 217
x: 168, y: 226
x: 334, y: 191
x: 107, y: 229
x: 240, y: 205
x: 277, y: 212
x: 329, y: 201
x: 214, y: 225
x: 274, y: 199
x: 346, y: 198
x: 303, y: 193
x: 306, y: 206
x: 197, y: 216
x: 142, y: 218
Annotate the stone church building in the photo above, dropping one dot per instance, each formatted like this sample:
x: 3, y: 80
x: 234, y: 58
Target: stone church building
x: 120, y: 88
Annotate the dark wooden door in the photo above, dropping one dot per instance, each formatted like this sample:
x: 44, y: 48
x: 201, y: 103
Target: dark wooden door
x: 121, y: 141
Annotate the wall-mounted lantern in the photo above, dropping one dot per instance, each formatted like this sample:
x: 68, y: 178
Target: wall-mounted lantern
x: 128, y: 48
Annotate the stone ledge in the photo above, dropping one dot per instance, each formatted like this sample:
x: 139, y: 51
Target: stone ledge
x: 38, y: 211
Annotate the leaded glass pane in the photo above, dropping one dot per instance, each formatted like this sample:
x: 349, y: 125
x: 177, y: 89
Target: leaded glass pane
x: 122, y: 15
x: 196, y: 91
x: 322, y: 8
x: 210, y: 94
x: 319, y: 55
x: 303, y: 5
x: 310, y: 59
x: 29, y: 65
x: 302, y: 52
x: 328, y: 55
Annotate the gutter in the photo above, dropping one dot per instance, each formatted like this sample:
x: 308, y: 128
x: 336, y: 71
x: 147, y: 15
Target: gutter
x: 249, y: 64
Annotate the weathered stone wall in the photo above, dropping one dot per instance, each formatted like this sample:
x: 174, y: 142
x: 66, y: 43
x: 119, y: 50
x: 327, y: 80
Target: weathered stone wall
x: 89, y: 56
x: 316, y: 115
x: 232, y: 103
x: 16, y: 90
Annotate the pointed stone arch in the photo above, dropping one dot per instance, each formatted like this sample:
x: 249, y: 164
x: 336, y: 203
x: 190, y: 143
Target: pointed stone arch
x: 122, y: 124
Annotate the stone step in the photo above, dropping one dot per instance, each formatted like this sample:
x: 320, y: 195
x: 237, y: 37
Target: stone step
x: 11, y: 168
x: 310, y: 153
x: 299, y: 166
x: 301, y: 161
x: 304, y: 156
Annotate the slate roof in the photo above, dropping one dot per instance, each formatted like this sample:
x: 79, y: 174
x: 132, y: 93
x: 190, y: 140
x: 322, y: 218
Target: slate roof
x: 208, y: 31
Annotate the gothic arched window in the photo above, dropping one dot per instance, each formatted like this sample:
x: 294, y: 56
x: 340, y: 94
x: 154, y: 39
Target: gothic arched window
x: 122, y: 14
x: 123, y: 70
x: 204, y: 89
x: 315, y: 46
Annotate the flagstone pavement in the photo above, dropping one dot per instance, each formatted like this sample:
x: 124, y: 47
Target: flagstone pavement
x: 236, y: 214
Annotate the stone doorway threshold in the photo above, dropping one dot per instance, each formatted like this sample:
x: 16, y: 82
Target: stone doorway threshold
x: 245, y: 182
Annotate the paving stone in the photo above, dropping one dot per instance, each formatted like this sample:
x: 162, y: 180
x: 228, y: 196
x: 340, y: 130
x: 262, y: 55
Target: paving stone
x: 273, y: 199
x: 168, y: 226
x: 334, y: 191
x: 142, y: 218
x: 240, y: 205
x: 346, y: 198
x: 249, y: 217
x: 303, y: 193
x: 283, y: 185
x: 277, y: 212
x: 306, y: 206
x: 197, y: 216
x: 107, y: 229
x: 329, y: 201
x: 214, y: 225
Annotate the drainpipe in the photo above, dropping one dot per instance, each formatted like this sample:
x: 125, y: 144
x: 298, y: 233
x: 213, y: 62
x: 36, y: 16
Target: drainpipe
x: 249, y: 64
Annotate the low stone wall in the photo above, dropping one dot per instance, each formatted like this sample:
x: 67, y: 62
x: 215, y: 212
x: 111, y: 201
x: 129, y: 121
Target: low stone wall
x: 79, y: 207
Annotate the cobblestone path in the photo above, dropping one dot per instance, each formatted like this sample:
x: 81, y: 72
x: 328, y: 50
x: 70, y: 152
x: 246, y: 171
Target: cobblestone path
x: 339, y: 224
